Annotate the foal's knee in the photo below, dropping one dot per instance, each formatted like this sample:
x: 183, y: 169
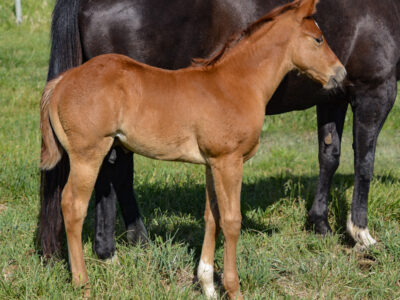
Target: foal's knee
x: 209, y: 220
x: 231, y: 225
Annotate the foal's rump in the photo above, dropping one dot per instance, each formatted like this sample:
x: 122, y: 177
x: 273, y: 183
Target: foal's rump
x: 112, y: 96
x: 70, y: 108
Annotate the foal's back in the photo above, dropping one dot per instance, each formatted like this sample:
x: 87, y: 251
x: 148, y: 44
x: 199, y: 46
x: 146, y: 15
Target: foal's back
x: 168, y: 115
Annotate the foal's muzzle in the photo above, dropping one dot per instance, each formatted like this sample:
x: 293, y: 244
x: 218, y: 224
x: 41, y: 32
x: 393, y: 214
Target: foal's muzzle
x: 336, y: 80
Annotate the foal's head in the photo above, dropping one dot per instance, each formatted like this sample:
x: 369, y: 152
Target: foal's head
x: 310, y: 53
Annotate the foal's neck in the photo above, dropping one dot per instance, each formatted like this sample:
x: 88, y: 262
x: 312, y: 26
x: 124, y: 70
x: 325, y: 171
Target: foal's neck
x: 258, y: 63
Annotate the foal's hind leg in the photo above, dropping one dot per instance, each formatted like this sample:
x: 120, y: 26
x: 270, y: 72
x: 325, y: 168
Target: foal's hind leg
x: 74, y: 203
x: 205, y: 271
x: 227, y: 175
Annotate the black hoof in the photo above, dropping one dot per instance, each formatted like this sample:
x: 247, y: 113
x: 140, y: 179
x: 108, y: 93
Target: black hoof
x: 136, y: 232
x: 104, y: 251
x: 319, y: 224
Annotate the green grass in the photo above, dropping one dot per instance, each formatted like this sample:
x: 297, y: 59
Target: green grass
x: 277, y: 256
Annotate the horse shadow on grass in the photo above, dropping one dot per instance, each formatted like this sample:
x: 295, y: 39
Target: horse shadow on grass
x: 177, y: 211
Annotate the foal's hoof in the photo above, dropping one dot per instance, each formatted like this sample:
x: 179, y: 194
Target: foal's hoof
x: 136, y: 232
x: 319, y: 224
x: 86, y: 293
x: 85, y: 289
x: 235, y: 296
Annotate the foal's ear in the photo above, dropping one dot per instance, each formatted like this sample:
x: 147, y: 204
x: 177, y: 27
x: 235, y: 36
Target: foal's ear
x: 307, y: 8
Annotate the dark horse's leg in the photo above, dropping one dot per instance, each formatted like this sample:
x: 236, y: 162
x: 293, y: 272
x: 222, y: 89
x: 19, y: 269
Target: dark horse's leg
x: 330, y: 128
x: 115, y: 181
x: 371, y: 107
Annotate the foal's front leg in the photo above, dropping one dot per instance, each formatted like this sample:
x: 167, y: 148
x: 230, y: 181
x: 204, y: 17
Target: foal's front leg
x: 205, y: 271
x: 227, y: 176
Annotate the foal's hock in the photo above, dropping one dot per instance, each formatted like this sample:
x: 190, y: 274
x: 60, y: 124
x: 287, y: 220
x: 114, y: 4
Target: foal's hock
x: 211, y: 113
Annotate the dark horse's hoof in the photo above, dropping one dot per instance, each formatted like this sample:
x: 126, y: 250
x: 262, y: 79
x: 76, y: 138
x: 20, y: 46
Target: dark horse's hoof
x: 319, y: 224
x: 136, y: 232
x: 104, y: 250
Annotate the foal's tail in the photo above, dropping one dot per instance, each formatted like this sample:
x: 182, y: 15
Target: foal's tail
x: 51, y: 148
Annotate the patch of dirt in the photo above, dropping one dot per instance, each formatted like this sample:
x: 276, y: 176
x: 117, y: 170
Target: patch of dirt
x: 365, y: 261
x: 184, y: 276
x: 3, y: 208
x: 30, y: 252
x: 366, y: 264
x: 294, y: 289
x: 8, y: 271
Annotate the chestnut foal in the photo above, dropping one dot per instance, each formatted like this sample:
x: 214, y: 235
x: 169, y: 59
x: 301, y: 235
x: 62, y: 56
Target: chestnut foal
x: 210, y: 113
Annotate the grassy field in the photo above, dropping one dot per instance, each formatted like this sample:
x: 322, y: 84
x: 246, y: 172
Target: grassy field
x: 278, y: 257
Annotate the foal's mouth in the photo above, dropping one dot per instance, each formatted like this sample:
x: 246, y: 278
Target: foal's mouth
x: 336, y: 80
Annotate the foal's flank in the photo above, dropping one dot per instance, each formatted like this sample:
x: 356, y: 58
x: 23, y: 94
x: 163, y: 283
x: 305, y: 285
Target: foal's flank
x: 211, y: 113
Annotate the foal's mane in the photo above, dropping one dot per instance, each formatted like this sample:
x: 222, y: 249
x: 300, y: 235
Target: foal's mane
x: 235, y: 39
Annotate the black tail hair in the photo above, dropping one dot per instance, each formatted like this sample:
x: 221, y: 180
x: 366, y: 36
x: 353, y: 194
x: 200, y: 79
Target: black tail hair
x: 66, y: 52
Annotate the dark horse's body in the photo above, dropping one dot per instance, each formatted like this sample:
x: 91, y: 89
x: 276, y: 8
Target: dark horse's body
x: 168, y: 34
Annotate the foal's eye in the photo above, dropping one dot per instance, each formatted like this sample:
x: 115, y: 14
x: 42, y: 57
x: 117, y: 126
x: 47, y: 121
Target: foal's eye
x: 319, y: 41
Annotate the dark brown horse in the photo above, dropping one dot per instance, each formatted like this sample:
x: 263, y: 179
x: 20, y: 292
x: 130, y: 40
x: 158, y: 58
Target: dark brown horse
x: 168, y: 34
x: 209, y: 114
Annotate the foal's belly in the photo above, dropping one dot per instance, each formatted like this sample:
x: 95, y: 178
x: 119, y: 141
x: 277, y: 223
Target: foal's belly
x: 184, y: 149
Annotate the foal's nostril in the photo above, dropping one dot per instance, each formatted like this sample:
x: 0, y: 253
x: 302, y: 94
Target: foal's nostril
x: 336, y: 80
x: 340, y: 74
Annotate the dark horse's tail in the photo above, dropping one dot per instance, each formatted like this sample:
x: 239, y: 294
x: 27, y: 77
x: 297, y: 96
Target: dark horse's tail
x: 66, y: 52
